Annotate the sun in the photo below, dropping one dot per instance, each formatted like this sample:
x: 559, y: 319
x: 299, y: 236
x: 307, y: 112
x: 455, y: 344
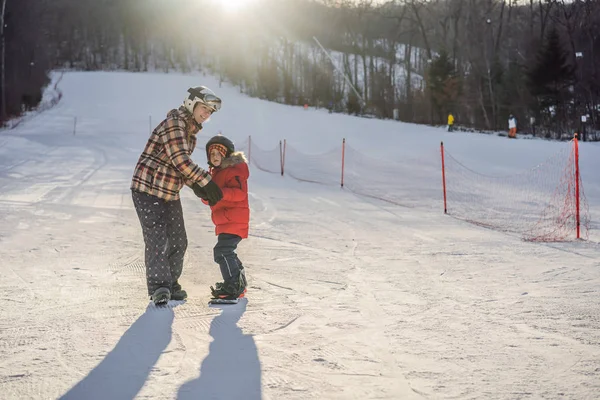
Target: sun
x: 234, y: 5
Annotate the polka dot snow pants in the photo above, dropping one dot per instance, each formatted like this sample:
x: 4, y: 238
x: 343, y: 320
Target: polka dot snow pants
x: 165, y: 239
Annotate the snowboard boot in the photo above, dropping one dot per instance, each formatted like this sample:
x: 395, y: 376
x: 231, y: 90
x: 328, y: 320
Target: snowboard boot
x: 243, y: 282
x: 161, y: 296
x: 243, y: 278
x: 177, y: 293
x: 230, y: 290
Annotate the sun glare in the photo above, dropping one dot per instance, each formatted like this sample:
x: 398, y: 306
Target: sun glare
x: 234, y: 5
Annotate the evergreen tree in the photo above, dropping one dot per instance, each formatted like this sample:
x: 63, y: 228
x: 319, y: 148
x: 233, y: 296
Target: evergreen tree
x: 442, y: 84
x: 26, y: 59
x: 353, y: 104
x: 550, y: 80
x: 512, y: 93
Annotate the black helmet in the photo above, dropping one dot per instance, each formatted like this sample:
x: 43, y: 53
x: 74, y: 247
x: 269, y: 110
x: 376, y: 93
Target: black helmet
x: 219, y: 139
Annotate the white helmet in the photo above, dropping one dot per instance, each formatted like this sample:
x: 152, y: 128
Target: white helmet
x: 202, y: 95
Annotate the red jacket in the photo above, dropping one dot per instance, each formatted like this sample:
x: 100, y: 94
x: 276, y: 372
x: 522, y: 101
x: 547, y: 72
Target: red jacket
x: 232, y: 214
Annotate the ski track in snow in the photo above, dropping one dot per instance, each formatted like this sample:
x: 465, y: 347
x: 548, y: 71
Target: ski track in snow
x: 349, y: 297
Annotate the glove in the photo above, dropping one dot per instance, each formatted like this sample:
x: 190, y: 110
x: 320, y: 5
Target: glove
x: 213, y: 193
x: 199, y: 191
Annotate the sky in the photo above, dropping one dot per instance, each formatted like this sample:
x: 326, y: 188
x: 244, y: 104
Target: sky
x: 361, y: 292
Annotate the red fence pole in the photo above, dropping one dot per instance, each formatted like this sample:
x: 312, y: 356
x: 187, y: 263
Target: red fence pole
x: 343, y: 155
x: 576, y: 149
x: 443, y: 177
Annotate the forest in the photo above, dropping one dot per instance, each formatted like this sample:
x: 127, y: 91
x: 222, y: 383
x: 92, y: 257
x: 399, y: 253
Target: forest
x: 412, y: 60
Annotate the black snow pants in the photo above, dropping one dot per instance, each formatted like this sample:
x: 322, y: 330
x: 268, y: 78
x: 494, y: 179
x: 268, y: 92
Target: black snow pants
x: 226, y: 257
x: 165, y: 239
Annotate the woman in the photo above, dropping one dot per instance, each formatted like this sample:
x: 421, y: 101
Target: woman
x: 162, y: 170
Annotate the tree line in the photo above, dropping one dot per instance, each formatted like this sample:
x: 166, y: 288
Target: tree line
x: 414, y: 60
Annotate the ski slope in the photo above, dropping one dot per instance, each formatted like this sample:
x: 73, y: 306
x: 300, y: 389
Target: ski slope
x: 349, y: 297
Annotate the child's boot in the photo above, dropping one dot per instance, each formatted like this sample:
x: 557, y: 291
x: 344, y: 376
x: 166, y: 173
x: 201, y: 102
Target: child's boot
x: 230, y: 290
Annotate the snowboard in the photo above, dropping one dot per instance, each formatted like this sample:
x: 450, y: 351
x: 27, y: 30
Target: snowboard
x: 224, y: 301
x: 227, y: 301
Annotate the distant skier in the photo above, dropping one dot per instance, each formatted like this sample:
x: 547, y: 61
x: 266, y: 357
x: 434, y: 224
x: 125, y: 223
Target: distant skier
x: 231, y: 216
x: 512, y: 127
x: 450, y: 122
x: 161, y: 171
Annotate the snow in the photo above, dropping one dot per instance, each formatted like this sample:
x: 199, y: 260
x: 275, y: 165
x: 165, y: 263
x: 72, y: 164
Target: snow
x: 350, y: 297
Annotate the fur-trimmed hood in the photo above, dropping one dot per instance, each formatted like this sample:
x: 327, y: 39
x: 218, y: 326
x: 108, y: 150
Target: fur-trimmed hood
x: 235, y: 158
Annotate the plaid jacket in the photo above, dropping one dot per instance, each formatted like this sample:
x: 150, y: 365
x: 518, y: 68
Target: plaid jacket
x: 165, y: 164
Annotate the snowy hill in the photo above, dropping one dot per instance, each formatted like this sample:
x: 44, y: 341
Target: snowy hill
x: 349, y: 296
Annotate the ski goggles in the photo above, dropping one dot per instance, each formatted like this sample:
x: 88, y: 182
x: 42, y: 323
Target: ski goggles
x: 208, y: 99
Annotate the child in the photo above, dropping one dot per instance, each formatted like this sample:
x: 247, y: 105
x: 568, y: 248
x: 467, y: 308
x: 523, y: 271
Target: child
x: 162, y: 169
x: 231, y: 215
